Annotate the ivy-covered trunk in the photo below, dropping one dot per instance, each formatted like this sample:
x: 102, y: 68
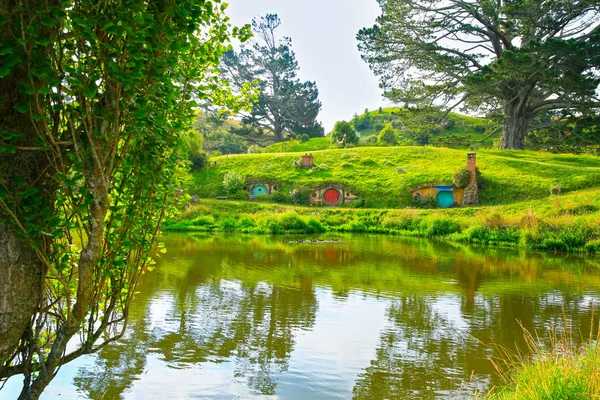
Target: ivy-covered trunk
x: 21, y: 169
x: 515, y: 125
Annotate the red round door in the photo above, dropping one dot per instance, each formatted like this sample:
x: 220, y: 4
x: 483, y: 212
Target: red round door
x: 331, y: 196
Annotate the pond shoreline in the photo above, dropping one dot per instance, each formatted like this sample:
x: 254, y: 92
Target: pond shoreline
x: 515, y: 226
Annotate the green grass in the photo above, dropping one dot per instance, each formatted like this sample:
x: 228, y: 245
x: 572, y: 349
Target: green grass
x: 563, y: 223
x: 559, y: 368
x: 465, y: 125
x: 373, y: 173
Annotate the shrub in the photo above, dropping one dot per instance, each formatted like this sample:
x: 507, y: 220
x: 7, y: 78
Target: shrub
x: 228, y: 225
x: 198, y: 160
x: 292, y: 222
x: 462, y: 178
x: 387, y: 135
x: 239, y: 195
x: 479, y: 128
x: 592, y: 247
x: 254, y: 149
x: 314, y: 226
x: 341, y: 129
x: 301, y: 195
x: 450, y: 124
x: 233, y: 182
x: 278, y: 197
x: 442, y: 227
x: 380, y: 110
x: 303, y: 138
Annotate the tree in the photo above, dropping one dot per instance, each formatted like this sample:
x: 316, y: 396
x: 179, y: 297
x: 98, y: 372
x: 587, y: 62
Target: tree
x: 387, y: 135
x: 343, y: 133
x: 519, y: 58
x: 285, y: 105
x: 95, y: 98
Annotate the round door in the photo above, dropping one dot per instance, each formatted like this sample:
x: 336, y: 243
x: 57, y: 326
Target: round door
x: 331, y: 196
x: 445, y: 199
x: 259, y: 190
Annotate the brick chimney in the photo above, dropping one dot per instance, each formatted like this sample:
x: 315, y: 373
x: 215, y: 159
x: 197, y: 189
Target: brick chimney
x: 307, y: 161
x: 472, y: 166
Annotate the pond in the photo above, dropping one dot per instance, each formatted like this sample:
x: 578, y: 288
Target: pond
x: 368, y: 317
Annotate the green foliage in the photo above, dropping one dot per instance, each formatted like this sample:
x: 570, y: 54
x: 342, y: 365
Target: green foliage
x: 254, y: 149
x: 509, y: 177
x: 462, y: 178
x: 535, y: 59
x: 99, y: 97
x: 343, y: 133
x: 452, y: 141
x: 303, y: 138
x: 362, y: 122
x: 239, y: 195
x: 387, y: 136
x: 285, y: 105
x: 279, y: 197
x: 234, y: 182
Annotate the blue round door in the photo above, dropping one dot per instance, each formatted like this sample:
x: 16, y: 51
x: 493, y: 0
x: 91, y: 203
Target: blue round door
x: 259, y: 190
x: 445, y: 199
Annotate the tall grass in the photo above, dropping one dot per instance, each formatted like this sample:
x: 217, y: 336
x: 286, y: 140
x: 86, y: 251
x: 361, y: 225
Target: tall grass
x: 557, y: 367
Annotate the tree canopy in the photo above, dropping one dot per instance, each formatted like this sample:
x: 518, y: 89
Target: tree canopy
x: 95, y: 97
x: 343, y: 133
x: 285, y: 106
x: 519, y: 59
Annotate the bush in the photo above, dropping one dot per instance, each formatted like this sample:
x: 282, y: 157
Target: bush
x: 228, y: 225
x: 314, y: 226
x: 301, y: 195
x: 303, y: 138
x: 278, y: 197
x: 292, y: 222
x: 442, y: 227
x: 450, y: 124
x: 341, y: 129
x: 240, y: 195
x: 592, y: 247
x: 198, y: 160
x: 387, y: 135
x: 233, y: 182
x: 254, y: 149
x: 479, y: 128
x: 462, y: 178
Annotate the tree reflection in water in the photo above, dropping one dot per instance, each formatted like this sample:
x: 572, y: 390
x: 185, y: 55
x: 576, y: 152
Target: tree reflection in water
x: 242, y: 301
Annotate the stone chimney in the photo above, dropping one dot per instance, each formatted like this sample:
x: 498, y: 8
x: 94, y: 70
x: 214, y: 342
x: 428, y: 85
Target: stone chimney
x: 471, y: 194
x: 472, y: 166
x: 307, y: 161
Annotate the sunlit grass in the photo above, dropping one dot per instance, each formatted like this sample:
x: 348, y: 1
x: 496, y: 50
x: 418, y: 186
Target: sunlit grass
x: 557, y: 367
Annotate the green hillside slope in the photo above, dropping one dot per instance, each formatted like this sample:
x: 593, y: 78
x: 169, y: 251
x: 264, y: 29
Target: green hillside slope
x: 422, y: 127
x: 384, y: 176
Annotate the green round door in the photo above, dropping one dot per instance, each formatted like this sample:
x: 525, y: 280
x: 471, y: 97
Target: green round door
x: 445, y: 199
x: 259, y: 190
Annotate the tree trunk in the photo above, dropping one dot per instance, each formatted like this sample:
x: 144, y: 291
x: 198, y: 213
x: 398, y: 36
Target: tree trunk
x: 515, y: 126
x: 21, y: 270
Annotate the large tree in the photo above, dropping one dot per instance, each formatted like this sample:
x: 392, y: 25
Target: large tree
x: 94, y: 99
x: 285, y: 104
x: 519, y: 58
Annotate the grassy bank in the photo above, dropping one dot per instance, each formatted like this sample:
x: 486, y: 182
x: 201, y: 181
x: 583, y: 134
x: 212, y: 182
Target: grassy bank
x: 562, y: 223
x: 558, y: 367
x: 384, y: 177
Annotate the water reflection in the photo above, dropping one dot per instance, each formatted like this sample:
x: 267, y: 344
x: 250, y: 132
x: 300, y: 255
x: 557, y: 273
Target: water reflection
x: 371, y: 317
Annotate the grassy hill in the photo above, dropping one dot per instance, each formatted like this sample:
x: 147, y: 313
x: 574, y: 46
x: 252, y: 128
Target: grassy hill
x: 474, y: 129
x: 384, y: 176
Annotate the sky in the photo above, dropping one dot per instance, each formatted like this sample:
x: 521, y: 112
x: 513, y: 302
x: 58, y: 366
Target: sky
x: 323, y: 34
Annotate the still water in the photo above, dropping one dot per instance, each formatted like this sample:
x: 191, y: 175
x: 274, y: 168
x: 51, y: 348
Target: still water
x: 369, y: 317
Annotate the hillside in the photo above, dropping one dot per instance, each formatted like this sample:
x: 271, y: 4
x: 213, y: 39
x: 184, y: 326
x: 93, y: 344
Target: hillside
x: 422, y: 127
x: 384, y: 176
